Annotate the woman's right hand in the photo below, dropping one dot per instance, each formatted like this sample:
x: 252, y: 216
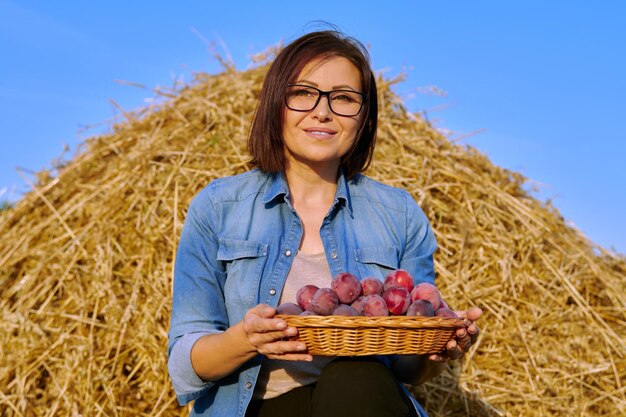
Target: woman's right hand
x: 271, y: 336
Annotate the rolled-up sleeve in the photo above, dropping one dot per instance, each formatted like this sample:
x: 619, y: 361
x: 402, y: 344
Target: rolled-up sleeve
x: 187, y: 384
x: 198, y: 306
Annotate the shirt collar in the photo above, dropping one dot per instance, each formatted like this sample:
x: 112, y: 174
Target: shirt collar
x: 343, y: 192
x: 277, y: 187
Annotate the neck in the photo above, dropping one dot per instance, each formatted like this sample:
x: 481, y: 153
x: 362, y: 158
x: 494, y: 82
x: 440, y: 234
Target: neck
x: 309, y: 186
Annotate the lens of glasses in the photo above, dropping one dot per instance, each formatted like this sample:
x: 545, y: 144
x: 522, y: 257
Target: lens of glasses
x: 342, y: 102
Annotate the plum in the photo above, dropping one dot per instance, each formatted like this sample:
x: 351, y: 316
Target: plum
x: 347, y: 287
x: 290, y: 309
x: 324, y: 301
x: 427, y: 291
x: 307, y: 313
x: 374, y: 305
x: 358, y: 304
x: 304, y: 296
x: 345, y: 310
x: 399, y: 278
x: 445, y: 312
x: 397, y: 299
x: 421, y: 308
x: 372, y: 286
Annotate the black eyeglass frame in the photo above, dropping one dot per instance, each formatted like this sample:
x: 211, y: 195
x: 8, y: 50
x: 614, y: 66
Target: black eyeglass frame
x: 327, y: 94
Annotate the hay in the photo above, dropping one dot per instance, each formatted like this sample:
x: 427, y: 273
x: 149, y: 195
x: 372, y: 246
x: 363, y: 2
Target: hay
x: 86, y: 267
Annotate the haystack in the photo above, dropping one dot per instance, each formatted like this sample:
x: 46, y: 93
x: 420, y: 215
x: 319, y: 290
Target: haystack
x: 86, y: 267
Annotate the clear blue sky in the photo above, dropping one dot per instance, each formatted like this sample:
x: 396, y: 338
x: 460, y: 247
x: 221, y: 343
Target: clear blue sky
x: 544, y: 81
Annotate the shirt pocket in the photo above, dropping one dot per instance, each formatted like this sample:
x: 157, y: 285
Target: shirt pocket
x: 377, y: 261
x: 244, y: 261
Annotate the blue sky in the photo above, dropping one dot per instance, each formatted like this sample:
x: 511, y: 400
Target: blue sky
x: 543, y: 83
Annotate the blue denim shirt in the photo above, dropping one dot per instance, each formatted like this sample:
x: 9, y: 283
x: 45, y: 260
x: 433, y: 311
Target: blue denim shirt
x: 238, y: 242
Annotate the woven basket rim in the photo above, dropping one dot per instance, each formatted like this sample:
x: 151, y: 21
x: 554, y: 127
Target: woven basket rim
x: 350, y: 322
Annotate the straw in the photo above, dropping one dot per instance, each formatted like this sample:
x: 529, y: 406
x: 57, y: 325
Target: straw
x: 86, y: 266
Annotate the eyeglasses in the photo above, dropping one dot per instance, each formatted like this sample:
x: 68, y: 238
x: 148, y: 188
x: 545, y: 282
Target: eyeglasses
x: 341, y: 102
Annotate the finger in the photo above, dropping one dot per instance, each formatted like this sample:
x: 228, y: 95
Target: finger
x: 464, y: 343
x: 262, y: 310
x: 438, y: 357
x: 292, y: 357
x: 282, y: 348
x: 473, y: 332
x: 474, y: 313
x: 452, y: 349
x: 258, y: 324
x: 261, y: 338
x: 460, y: 313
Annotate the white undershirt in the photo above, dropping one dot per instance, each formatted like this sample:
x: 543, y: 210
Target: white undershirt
x: 276, y: 376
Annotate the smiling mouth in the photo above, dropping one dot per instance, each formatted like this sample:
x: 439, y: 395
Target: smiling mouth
x: 320, y: 133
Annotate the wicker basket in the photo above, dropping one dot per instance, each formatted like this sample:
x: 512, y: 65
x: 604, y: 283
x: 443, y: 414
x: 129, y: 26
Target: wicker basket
x: 360, y: 336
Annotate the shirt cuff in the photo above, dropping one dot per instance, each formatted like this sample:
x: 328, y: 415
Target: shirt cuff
x: 187, y: 384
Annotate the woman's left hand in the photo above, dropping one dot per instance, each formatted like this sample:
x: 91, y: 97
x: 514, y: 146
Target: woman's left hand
x: 464, y: 338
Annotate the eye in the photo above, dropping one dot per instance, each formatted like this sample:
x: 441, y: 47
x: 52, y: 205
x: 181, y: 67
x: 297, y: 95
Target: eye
x: 302, y: 92
x: 345, y: 97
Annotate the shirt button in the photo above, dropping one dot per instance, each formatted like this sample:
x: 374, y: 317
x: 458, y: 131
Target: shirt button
x: 272, y: 291
x: 333, y: 255
x: 287, y: 252
x: 248, y: 385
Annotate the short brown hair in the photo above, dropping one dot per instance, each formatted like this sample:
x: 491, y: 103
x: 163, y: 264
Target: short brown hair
x: 265, y: 142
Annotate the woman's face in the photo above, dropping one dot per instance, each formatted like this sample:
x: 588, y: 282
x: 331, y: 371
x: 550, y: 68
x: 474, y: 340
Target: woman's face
x: 319, y: 138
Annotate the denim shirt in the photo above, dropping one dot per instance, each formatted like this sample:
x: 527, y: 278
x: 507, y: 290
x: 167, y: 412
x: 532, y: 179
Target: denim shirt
x: 237, y: 244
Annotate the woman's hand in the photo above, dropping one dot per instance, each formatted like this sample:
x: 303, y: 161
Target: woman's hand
x: 268, y: 335
x: 216, y: 355
x: 464, y: 338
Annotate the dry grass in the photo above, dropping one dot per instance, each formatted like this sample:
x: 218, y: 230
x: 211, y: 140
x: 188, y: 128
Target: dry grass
x: 86, y: 268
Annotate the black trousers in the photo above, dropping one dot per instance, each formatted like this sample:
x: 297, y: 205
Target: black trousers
x: 361, y: 387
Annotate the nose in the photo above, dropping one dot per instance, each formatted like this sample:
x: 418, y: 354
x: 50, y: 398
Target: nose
x: 322, y: 111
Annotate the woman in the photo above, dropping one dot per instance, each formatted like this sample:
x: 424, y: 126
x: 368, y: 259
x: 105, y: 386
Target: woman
x: 301, y: 216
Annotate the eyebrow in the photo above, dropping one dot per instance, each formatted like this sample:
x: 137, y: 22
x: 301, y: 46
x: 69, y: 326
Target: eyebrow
x: 335, y: 87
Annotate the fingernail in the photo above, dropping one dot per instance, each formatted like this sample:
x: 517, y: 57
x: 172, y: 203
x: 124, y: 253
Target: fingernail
x: 300, y: 347
x: 281, y: 325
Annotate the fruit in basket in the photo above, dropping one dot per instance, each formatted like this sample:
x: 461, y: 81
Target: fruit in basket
x: 304, y: 296
x: 324, y: 301
x: 345, y: 310
x: 427, y: 291
x: 445, y: 312
x: 372, y: 286
x: 399, y: 278
x: 421, y: 308
x: 397, y: 295
x: 374, y: 305
x: 347, y: 287
x: 397, y: 299
x: 290, y: 309
x: 358, y: 304
x: 307, y: 313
